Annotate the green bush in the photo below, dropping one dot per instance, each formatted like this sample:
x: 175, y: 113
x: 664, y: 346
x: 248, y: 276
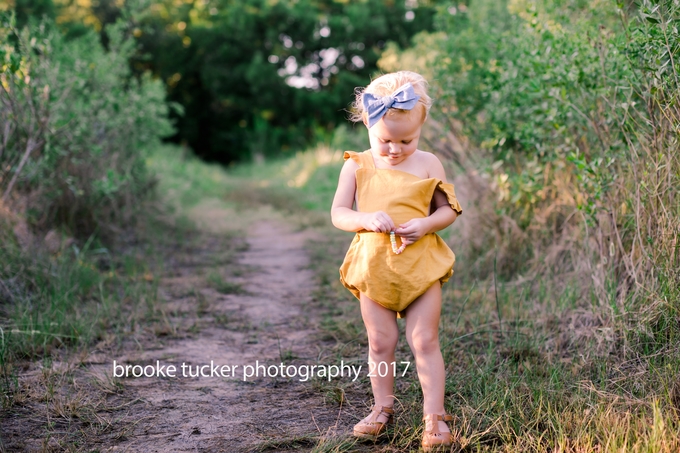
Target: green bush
x: 563, y: 116
x: 568, y: 113
x: 548, y: 86
x: 566, y: 100
x: 75, y: 124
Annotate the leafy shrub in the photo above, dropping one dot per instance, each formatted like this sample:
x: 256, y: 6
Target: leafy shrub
x: 543, y: 93
x: 565, y: 111
x: 75, y: 125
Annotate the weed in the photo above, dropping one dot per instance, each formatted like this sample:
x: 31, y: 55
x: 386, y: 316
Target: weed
x: 219, y: 283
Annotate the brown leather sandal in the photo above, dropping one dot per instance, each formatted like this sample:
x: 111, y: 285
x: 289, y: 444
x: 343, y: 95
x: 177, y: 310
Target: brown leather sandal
x: 435, y: 439
x: 370, y: 430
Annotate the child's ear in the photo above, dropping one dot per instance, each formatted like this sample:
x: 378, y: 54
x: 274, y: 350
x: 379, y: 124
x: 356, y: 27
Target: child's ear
x: 364, y: 117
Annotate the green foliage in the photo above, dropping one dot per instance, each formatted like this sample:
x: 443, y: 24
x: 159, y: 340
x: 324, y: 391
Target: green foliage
x: 567, y: 112
x: 259, y: 77
x: 68, y: 299
x: 27, y: 9
x: 574, y: 108
x: 256, y: 77
x: 75, y: 124
x: 541, y: 90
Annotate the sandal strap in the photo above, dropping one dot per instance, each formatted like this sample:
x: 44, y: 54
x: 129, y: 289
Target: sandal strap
x: 435, y: 419
x: 385, y: 411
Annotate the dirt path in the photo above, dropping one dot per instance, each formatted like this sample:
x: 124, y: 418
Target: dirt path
x: 267, y: 325
x: 239, y: 306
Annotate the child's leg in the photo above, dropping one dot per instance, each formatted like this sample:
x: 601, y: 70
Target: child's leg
x: 381, y: 326
x: 422, y: 334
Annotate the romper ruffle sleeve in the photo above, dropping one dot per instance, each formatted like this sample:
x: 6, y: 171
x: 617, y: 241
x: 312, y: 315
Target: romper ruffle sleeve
x: 447, y: 189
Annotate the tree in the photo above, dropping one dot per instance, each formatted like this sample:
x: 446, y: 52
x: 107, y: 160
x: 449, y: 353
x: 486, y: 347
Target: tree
x: 253, y: 76
x: 259, y: 76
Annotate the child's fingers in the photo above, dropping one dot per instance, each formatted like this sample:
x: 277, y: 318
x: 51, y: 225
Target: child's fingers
x: 401, y: 228
x: 410, y: 231
x: 388, y: 223
x: 405, y: 229
x: 382, y: 227
x: 407, y: 241
x: 381, y: 223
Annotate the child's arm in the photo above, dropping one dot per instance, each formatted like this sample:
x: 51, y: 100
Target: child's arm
x: 441, y: 216
x: 346, y: 218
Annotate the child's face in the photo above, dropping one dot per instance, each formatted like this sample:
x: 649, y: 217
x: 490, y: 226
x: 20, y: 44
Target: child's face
x: 395, y: 137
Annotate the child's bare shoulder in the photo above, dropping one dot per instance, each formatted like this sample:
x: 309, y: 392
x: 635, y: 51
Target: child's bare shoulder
x: 352, y: 158
x: 428, y: 157
x: 432, y: 164
x: 350, y: 165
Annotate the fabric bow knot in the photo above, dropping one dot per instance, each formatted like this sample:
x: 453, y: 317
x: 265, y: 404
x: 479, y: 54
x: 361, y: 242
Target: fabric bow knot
x: 404, y: 98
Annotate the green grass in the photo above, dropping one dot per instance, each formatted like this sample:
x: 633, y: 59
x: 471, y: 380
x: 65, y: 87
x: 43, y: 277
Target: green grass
x: 551, y: 377
x: 305, y: 182
x: 309, y: 178
x: 220, y: 284
x: 93, y: 293
x: 532, y: 365
x: 183, y: 179
x: 48, y: 292
x: 69, y: 300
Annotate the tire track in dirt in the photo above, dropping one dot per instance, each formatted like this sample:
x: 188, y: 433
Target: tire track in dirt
x: 269, y: 323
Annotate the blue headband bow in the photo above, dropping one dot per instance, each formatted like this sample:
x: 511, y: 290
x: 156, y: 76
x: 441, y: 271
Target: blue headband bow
x: 376, y: 107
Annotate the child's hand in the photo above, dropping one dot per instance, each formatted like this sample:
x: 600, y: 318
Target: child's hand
x: 378, y: 222
x: 412, y: 230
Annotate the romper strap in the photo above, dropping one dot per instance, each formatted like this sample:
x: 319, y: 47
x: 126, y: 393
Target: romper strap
x: 364, y: 160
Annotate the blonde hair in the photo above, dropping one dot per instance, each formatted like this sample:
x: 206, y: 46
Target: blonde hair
x: 387, y: 84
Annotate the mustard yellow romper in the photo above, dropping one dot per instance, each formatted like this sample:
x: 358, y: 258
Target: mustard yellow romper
x: 371, y: 266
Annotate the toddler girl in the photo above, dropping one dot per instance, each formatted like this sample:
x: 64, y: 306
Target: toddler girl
x: 395, y: 197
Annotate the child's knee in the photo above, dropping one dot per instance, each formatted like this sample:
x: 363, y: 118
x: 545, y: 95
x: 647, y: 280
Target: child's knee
x: 424, y: 343
x: 382, y: 344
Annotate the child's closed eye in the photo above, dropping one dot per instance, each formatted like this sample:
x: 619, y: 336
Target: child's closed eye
x: 405, y: 142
